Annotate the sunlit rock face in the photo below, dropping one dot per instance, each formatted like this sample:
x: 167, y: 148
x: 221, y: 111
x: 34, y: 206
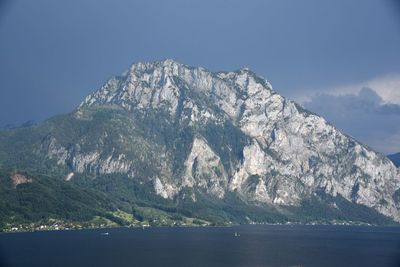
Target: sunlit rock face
x: 274, y: 153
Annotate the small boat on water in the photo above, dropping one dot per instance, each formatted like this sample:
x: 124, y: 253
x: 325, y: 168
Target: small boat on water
x: 106, y: 233
x: 236, y: 234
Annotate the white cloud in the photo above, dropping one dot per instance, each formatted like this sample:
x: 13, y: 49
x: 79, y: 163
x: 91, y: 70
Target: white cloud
x: 387, y: 87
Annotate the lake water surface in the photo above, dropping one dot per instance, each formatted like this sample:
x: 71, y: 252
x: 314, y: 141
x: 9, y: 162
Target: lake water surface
x: 257, y: 245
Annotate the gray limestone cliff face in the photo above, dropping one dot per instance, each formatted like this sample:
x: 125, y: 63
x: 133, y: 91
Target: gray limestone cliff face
x: 289, y: 154
x: 94, y: 161
x: 203, y: 168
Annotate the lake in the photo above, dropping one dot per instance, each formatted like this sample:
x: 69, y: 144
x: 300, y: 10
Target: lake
x: 254, y: 245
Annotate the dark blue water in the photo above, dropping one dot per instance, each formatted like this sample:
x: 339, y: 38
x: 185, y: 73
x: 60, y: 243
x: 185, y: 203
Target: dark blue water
x: 256, y: 246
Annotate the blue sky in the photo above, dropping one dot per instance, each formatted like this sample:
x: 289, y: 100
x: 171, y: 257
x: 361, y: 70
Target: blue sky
x: 53, y: 53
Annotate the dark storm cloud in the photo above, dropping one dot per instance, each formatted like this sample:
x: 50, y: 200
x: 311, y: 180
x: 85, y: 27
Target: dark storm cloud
x: 364, y: 116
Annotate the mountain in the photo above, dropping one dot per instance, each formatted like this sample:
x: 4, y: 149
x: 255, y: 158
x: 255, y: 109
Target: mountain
x: 395, y: 158
x: 216, y: 147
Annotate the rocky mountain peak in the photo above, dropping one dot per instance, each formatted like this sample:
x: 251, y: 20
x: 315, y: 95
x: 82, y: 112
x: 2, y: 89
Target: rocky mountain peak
x: 168, y: 84
x: 167, y: 66
x: 164, y: 81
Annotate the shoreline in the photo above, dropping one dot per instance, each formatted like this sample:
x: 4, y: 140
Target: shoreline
x: 367, y: 225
